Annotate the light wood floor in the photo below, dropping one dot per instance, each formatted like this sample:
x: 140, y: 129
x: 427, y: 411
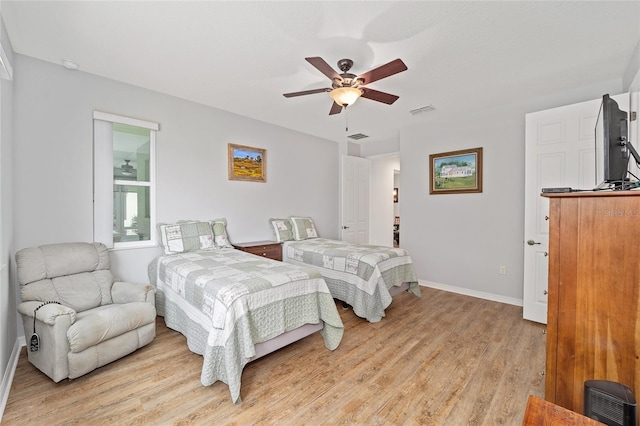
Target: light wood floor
x: 444, y: 359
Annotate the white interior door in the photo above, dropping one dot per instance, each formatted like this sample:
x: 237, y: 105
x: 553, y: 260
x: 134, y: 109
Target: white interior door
x: 354, y: 188
x: 559, y: 152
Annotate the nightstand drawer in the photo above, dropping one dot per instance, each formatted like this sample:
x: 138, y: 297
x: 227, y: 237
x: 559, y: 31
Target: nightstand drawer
x: 268, y: 249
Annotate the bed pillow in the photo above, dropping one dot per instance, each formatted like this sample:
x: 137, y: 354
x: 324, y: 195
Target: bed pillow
x: 303, y: 228
x: 186, y: 236
x: 220, y: 237
x: 283, y: 229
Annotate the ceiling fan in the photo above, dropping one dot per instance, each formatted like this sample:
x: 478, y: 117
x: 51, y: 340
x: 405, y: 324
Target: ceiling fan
x: 346, y: 88
x: 127, y: 169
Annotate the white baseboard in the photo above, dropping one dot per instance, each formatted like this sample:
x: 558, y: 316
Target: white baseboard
x: 7, y: 377
x: 473, y: 293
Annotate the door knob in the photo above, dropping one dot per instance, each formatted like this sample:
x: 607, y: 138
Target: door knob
x: 531, y: 242
x: 345, y: 227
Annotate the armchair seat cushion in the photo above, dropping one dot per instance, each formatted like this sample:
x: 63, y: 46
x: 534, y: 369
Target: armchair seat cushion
x: 102, y: 323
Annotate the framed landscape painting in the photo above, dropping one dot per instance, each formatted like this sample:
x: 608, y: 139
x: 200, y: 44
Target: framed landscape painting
x: 456, y: 172
x: 247, y: 163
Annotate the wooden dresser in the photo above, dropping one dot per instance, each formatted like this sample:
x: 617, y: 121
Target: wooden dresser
x: 593, y: 326
x: 270, y: 249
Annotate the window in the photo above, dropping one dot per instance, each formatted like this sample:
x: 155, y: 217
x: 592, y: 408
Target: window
x: 124, y: 181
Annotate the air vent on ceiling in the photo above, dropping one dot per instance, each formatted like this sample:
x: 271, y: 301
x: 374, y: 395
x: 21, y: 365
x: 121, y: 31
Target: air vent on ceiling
x: 357, y: 136
x: 425, y: 108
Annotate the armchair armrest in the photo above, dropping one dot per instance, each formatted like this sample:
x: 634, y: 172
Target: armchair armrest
x: 124, y: 292
x: 48, y: 314
x: 52, y: 323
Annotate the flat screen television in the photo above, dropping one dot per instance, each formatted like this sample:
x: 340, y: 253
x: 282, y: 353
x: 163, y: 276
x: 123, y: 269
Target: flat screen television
x: 612, y: 149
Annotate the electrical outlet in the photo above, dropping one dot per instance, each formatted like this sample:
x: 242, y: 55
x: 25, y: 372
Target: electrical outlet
x: 502, y: 270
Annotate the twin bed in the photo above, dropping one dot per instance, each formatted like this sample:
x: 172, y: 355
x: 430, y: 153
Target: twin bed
x: 363, y: 276
x: 234, y: 307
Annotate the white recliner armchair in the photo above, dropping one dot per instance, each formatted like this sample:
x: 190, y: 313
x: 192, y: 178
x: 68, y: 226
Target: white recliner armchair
x: 95, y: 320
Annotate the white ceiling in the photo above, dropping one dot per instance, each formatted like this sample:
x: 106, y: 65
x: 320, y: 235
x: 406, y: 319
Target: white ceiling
x: 242, y: 56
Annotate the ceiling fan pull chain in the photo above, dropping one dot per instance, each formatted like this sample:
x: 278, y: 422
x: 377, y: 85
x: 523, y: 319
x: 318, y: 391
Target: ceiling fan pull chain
x: 346, y: 117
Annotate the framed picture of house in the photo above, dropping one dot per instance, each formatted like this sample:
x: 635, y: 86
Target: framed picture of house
x: 456, y: 172
x: 247, y: 163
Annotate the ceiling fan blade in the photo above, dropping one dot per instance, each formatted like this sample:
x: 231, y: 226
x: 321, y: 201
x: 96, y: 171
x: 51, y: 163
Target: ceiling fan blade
x: 375, y: 95
x: 335, y: 109
x: 393, y: 67
x: 323, y: 67
x: 305, y: 92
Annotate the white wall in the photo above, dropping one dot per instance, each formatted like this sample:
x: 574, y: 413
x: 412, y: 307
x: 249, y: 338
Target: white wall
x: 381, y: 203
x: 377, y: 148
x: 53, y: 163
x: 8, y: 317
x: 458, y: 241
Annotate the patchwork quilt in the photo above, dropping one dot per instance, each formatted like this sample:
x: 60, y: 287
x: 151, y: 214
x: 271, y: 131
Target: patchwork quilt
x: 225, y: 301
x: 358, y: 274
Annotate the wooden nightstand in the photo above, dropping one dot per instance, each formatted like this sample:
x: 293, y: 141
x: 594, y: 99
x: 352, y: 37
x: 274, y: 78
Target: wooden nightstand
x: 269, y: 249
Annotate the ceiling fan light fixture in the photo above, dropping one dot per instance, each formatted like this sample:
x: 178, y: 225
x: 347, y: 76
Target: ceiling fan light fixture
x: 345, y: 96
x: 346, y: 88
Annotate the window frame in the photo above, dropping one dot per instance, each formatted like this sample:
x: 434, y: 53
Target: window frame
x: 104, y: 182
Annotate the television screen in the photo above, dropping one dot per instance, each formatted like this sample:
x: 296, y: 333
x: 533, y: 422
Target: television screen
x: 612, y: 155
